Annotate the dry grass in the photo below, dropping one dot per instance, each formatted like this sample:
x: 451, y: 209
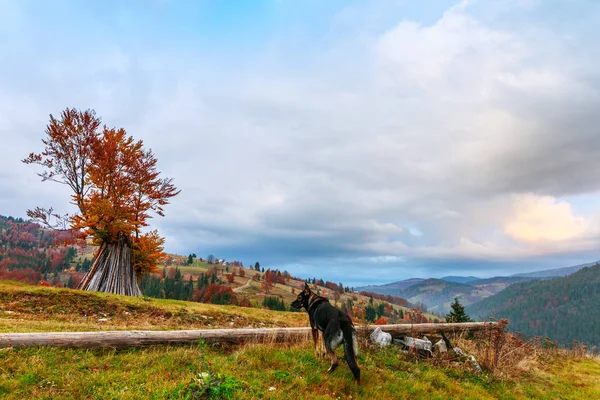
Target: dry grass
x: 505, y: 355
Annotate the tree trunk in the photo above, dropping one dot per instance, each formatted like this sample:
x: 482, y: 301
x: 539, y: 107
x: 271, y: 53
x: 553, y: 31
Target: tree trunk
x: 112, y: 271
x: 124, y: 339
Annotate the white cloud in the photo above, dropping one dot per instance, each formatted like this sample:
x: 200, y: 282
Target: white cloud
x: 538, y: 219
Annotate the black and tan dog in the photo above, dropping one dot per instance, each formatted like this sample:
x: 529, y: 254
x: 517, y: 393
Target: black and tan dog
x: 336, y: 326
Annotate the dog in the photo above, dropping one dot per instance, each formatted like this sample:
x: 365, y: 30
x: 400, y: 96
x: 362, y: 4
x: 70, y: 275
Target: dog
x: 337, y: 328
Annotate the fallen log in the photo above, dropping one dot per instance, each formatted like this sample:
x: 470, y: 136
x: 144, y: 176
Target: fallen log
x: 423, y: 329
x: 123, y: 339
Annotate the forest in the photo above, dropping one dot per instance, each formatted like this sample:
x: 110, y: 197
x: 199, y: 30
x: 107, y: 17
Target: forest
x: 563, y: 309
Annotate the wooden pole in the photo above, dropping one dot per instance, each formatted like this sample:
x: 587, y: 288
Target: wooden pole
x: 123, y: 339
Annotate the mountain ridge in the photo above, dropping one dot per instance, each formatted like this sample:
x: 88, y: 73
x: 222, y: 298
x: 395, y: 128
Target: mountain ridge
x: 562, y: 308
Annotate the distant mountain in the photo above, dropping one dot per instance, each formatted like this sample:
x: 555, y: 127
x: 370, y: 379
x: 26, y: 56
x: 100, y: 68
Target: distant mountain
x: 437, y: 294
x: 390, y: 288
x: 548, y: 273
x: 564, y: 308
x: 459, y: 279
x: 503, y: 280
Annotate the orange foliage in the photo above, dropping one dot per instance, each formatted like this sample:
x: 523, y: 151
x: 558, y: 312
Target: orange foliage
x: 114, y: 180
x: 147, y: 253
x: 381, y: 321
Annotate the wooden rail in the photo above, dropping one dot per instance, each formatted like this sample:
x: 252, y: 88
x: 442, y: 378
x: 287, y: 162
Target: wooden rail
x: 122, y: 339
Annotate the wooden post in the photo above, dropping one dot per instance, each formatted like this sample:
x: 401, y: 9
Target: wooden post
x: 122, y: 339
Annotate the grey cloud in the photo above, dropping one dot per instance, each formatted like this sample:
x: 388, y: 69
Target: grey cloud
x: 427, y: 126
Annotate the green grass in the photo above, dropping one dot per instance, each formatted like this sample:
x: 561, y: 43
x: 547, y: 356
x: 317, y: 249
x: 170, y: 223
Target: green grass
x: 249, y: 372
x: 252, y: 371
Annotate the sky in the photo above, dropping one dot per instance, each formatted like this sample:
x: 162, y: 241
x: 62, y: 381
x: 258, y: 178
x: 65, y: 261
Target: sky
x: 356, y: 141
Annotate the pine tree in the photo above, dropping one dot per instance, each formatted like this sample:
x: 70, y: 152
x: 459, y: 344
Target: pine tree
x: 370, y: 313
x: 457, y: 314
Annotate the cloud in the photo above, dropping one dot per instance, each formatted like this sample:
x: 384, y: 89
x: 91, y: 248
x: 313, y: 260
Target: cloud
x: 415, y: 138
x: 543, y: 219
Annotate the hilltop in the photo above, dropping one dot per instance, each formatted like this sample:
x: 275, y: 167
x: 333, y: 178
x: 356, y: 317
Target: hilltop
x: 551, y: 273
x: 393, y: 288
x: 459, y: 279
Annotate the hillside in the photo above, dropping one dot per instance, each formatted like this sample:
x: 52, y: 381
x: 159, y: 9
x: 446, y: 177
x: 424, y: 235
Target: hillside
x: 437, y: 294
x: 31, y: 255
x: 564, y: 309
x: 393, y: 288
x: 247, y: 286
x: 252, y: 371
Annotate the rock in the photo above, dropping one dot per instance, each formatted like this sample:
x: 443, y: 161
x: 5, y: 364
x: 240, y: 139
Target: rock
x: 420, y: 346
x: 380, y: 337
x: 474, y: 364
x: 440, y: 347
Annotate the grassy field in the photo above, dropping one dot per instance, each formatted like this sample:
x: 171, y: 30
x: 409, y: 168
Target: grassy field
x: 252, y: 371
x: 25, y: 308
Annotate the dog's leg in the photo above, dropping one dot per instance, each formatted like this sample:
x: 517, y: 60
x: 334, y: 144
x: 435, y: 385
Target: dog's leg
x: 334, y: 360
x: 315, y: 335
x: 355, y: 348
x: 322, y: 349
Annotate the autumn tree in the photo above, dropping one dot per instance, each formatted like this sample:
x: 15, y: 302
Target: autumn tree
x: 116, y: 188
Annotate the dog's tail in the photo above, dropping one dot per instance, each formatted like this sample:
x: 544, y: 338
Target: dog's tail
x: 351, y: 348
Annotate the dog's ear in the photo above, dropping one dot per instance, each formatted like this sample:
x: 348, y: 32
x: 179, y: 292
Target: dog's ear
x: 306, y: 287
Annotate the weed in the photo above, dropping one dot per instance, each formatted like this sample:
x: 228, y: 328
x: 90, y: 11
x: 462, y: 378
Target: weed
x: 283, y: 376
x: 206, y: 384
